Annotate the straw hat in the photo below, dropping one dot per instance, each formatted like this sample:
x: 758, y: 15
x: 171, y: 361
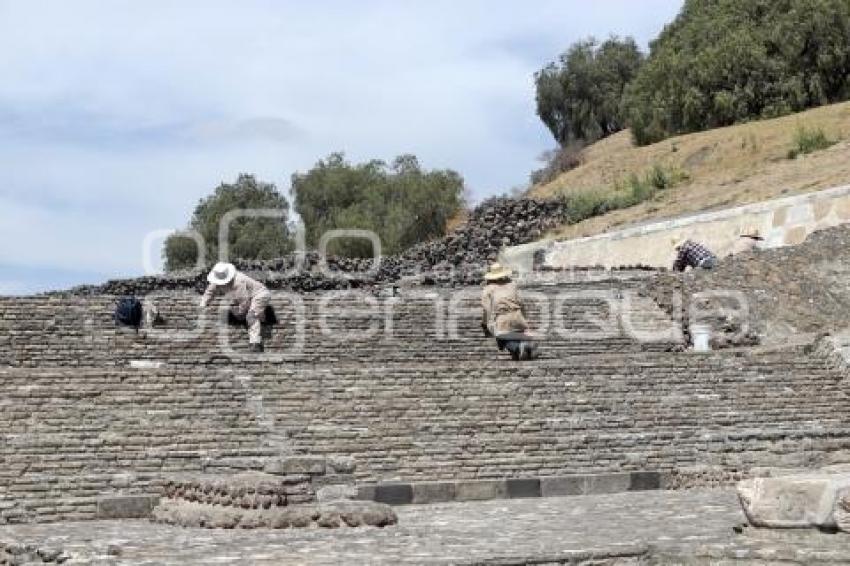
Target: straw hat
x: 677, y: 242
x: 497, y: 272
x: 750, y: 232
x: 222, y: 273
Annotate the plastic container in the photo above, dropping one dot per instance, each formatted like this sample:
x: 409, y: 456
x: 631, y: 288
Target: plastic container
x: 701, y: 337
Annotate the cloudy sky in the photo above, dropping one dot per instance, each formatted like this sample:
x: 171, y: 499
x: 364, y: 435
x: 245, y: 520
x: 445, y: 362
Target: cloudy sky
x: 116, y: 116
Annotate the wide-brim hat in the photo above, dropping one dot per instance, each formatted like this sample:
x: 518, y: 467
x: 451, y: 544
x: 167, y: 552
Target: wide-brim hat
x: 222, y: 273
x: 750, y: 232
x: 497, y: 272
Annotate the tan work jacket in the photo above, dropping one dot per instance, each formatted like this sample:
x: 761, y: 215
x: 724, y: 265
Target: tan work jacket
x: 241, y: 292
x: 502, y: 308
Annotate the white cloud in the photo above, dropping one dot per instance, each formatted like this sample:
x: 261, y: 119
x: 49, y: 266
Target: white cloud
x: 116, y: 116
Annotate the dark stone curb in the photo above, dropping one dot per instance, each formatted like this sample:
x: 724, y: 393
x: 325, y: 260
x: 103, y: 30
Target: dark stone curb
x: 126, y: 506
x: 404, y: 493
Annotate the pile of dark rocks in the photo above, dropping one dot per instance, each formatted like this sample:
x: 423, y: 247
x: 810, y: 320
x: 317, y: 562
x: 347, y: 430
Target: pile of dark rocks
x: 458, y: 259
x: 493, y: 225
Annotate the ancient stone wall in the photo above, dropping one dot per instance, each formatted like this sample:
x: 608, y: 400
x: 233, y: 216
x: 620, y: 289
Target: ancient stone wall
x: 581, y: 316
x: 403, y: 383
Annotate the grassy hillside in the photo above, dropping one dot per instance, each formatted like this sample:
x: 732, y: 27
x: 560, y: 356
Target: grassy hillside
x: 721, y: 168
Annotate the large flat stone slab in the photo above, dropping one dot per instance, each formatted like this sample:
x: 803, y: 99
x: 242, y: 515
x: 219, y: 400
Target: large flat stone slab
x: 806, y: 500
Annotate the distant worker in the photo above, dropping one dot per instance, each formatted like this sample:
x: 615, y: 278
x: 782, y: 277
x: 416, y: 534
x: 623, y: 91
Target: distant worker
x: 248, y: 299
x: 502, y: 314
x: 749, y: 239
x: 692, y: 254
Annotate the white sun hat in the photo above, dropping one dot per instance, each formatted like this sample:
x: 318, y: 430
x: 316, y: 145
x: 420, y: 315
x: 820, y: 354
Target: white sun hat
x: 751, y: 232
x: 497, y: 272
x: 222, y: 273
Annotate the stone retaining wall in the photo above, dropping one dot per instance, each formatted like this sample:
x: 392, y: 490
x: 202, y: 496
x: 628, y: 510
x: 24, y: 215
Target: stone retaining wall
x: 73, y: 436
x: 782, y: 222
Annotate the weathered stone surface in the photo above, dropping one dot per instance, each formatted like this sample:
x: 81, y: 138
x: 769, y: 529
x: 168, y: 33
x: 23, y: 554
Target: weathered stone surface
x: 793, y: 501
x: 575, y: 531
x: 480, y: 490
x: 247, y: 490
x: 336, y: 493
x: 329, y: 515
x: 433, y: 492
x: 841, y: 513
x: 296, y: 465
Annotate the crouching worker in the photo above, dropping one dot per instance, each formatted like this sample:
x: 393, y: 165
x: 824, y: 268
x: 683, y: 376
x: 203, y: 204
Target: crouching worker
x: 694, y: 255
x: 502, y: 315
x: 248, y: 299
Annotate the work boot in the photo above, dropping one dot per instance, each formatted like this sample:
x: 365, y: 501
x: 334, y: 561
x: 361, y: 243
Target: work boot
x: 257, y: 348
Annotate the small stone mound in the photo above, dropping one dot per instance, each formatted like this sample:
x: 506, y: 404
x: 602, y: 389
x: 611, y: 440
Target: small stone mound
x: 251, y: 500
x: 246, y: 490
x: 21, y: 553
x: 327, y: 515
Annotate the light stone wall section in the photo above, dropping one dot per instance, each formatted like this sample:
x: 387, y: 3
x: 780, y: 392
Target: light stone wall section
x: 781, y: 222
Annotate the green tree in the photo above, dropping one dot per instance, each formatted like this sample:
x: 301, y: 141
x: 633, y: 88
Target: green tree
x: 400, y: 202
x: 726, y: 61
x: 579, y: 96
x: 249, y: 238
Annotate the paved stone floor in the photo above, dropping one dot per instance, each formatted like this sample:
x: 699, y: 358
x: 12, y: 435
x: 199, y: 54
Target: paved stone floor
x: 664, y: 525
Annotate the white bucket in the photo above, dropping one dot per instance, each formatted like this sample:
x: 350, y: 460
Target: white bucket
x: 701, y: 337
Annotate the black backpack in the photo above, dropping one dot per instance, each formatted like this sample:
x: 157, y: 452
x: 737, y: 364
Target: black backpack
x: 128, y: 312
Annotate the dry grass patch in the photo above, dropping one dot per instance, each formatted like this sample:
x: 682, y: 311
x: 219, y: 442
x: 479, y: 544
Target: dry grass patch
x: 724, y: 167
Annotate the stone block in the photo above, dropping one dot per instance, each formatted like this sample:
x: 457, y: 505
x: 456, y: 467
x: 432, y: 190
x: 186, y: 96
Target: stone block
x: 394, y: 493
x: 793, y: 501
x: 341, y: 465
x: 645, y: 481
x: 433, y: 492
x: 336, y: 493
x: 479, y: 490
x: 795, y: 236
x: 560, y: 486
x: 523, y: 487
x: 366, y: 492
x: 608, y: 483
x: 311, y: 465
x: 126, y: 506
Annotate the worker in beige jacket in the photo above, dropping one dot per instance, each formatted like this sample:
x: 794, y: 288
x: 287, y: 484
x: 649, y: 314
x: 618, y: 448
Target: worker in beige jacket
x: 502, y: 309
x: 248, y: 298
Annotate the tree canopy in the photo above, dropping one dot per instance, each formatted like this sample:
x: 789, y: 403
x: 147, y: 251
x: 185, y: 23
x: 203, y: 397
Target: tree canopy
x: 579, y: 96
x: 725, y: 61
x: 248, y: 238
x: 400, y: 202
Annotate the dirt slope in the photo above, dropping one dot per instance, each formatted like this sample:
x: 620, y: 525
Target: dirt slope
x: 792, y: 293
x: 726, y: 167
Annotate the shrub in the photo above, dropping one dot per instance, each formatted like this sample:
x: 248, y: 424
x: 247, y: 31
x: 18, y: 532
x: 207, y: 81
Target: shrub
x: 808, y: 141
x: 558, y: 161
x: 633, y: 191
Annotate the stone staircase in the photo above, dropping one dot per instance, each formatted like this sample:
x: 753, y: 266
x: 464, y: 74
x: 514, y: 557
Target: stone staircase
x: 415, y: 324
x: 403, y: 382
x: 72, y: 435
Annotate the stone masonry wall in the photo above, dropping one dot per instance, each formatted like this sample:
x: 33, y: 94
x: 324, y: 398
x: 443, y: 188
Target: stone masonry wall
x: 575, y: 318
x: 71, y: 436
